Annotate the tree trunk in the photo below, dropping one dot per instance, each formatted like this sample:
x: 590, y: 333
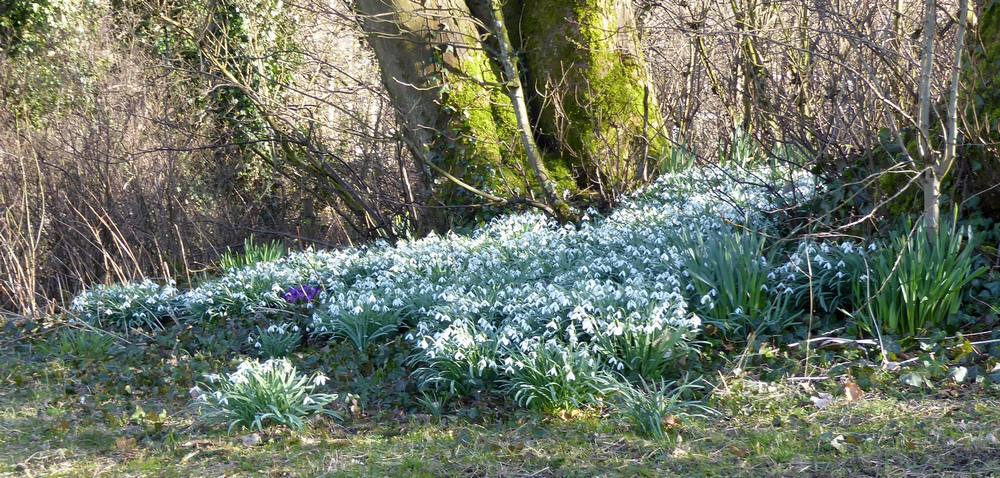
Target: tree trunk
x: 586, y: 95
x: 445, y: 89
x: 931, y: 184
x: 595, y: 108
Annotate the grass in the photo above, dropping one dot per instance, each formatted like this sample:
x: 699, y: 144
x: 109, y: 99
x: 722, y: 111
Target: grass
x: 60, y: 419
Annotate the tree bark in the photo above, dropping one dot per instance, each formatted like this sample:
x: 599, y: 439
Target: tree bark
x: 569, y: 74
x: 595, y: 108
x: 931, y: 184
x: 444, y: 87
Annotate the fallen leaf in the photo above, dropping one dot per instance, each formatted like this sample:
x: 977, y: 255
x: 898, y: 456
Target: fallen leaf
x: 252, y: 439
x: 125, y: 443
x: 822, y: 401
x: 853, y: 392
x: 959, y: 374
x: 197, y: 443
x: 737, y: 451
x: 838, y: 442
x: 189, y: 456
x: 671, y: 422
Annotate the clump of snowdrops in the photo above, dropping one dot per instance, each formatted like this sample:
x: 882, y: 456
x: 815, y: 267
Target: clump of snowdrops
x: 276, y: 340
x: 263, y: 394
x: 536, y: 310
x: 124, y: 307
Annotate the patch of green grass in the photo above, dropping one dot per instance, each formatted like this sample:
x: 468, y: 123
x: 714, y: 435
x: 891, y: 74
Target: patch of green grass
x: 57, y: 420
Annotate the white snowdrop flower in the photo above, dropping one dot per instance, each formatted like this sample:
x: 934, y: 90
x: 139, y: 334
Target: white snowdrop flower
x: 308, y: 400
x: 256, y: 344
x: 706, y: 299
x: 319, y: 380
x: 738, y: 311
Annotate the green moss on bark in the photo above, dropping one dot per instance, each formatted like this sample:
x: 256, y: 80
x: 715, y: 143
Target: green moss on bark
x: 595, y: 110
x: 474, y: 140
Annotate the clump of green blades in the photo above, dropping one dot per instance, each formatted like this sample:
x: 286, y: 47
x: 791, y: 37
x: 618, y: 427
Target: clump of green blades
x: 917, y: 284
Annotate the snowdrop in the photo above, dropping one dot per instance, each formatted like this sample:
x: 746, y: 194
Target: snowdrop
x: 261, y: 394
x: 479, y: 308
x: 144, y: 304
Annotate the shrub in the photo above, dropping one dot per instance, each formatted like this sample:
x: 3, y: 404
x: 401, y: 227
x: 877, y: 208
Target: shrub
x: 262, y: 394
x: 651, y: 405
x: 123, y: 307
x: 917, y: 283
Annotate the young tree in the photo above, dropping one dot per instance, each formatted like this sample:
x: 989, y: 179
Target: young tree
x: 938, y: 162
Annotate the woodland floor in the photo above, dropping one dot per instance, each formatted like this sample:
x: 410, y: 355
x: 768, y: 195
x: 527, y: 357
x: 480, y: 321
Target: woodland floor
x: 131, y: 417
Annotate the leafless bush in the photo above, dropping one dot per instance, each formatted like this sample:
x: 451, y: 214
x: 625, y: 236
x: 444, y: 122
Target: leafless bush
x: 118, y: 176
x: 110, y: 169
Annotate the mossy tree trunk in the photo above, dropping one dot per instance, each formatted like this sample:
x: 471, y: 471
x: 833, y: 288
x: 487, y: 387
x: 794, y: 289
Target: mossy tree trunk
x: 586, y: 88
x: 596, y: 110
x: 457, y: 122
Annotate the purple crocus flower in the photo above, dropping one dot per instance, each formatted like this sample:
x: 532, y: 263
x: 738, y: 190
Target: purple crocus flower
x: 301, y: 293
